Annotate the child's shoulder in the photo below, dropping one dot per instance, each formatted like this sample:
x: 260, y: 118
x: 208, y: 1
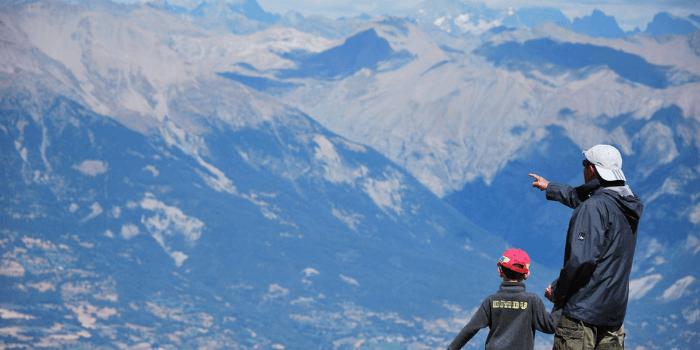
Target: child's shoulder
x: 522, y: 294
x: 529, y: 295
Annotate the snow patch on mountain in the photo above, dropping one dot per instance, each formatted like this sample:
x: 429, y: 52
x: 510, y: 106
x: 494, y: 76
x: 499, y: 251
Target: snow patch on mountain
x: 386, y: 193
x: 670, y: 186
x: 129, y: 231
x: 275, y: 291
x: 6, y: 314
x: 194, y: 146
x: 349, y: 280
x: 691, y: 315
x: 641, y: 286
x: 693, y: 243
x: 301, y: 300
x: 96, y: 210
x: 169, y: 222
x: 695, y: 214
x: 335, y: 170
x: 659, y: 146
x: 173, y: 220
x: 456, y: 17
x: 481, y: 26
x: 352, y: 146
x: 152, y: 169
x: 21, y: 150
x: 310, y: 271
x: 11, y: 268
x: 259, y: 51
x: 352, y: 220
x: 91, y: 167
x: 650, y: 255
x: 116, y: 212
x: 678, y: 289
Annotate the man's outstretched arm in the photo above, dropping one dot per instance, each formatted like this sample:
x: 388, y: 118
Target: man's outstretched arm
x: 563, y: 194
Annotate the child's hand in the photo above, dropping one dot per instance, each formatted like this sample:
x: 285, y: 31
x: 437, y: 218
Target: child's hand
x: 540, y: 182
x: 548, y: 294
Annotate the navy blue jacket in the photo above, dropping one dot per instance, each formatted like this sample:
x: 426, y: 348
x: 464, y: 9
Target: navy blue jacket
x: 600, y: 242
x: 512, y: 315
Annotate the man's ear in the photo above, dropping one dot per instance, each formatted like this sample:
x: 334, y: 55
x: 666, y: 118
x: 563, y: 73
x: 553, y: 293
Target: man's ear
x: 500, y: 273
x: 526, y: 276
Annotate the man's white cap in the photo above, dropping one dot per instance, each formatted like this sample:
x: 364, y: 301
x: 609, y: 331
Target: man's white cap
x: 607, y: 161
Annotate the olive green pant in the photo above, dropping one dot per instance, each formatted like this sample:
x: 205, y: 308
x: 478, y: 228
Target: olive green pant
x: 572, y: 334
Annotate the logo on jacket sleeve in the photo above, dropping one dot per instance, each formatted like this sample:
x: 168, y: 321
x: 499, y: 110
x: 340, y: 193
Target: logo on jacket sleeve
x: 581, y: 236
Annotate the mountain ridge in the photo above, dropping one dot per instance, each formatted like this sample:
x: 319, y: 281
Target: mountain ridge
x: 455, y: 18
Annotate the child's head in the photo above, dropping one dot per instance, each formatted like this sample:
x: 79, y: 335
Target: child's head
x: 514, y: 265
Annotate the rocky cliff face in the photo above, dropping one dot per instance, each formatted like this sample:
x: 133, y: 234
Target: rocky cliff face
x: 495, y: 98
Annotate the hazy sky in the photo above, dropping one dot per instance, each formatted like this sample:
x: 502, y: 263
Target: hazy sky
x: 628, y: 13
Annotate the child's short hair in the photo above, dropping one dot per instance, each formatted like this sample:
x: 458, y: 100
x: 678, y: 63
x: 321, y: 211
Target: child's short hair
x: 512, y: 275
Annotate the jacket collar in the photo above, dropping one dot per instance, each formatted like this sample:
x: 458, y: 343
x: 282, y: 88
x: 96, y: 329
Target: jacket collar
x: 586, y: 190
x: 512, y: 286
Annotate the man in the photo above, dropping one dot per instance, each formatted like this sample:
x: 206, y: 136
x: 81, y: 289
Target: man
x: 593, y: 284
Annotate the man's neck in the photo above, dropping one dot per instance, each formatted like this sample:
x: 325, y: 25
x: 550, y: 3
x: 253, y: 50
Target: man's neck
x: 612, y: 183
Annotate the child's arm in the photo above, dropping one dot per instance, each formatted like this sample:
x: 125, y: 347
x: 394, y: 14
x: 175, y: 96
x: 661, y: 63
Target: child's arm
x: 556, y: 313
x: 543, y: 320
x: 479, y: 320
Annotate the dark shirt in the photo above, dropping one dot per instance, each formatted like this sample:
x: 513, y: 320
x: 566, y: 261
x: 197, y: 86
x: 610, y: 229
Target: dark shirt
x: 512, y: 315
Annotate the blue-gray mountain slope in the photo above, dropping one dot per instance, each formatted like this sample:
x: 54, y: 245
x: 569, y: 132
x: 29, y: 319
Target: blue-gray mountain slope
x: 663, y: 23
x: 553, y: 57
x: 362, y: 50
x: 114, y: 234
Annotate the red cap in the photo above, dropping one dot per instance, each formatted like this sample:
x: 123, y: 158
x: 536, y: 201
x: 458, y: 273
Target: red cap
x: 516, y: 260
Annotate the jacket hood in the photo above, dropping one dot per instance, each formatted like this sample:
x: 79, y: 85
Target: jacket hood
x: 628, y: 202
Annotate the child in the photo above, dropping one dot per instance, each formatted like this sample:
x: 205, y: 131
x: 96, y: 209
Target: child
x: 512, y: 314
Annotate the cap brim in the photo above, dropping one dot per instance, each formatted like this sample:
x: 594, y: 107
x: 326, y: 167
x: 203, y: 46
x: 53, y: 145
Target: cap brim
x: 610, y: 175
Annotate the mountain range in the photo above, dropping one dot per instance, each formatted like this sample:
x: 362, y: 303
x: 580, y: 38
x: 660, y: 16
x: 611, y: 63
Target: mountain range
x: 210, y: 175
x: 451, y: 16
